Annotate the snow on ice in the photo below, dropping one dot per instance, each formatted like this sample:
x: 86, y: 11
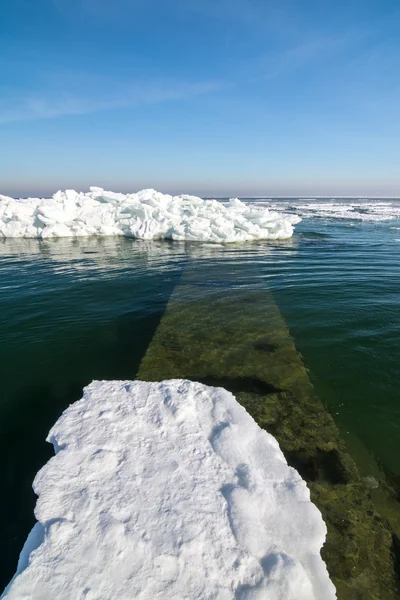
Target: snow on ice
x: 169, y: 490
x: 145, y: 215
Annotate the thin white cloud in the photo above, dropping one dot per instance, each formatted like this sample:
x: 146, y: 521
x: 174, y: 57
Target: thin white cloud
x: 50, y: 105
x: 310, y: 51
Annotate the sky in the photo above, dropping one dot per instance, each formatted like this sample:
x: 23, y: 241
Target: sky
x: 211, y: 97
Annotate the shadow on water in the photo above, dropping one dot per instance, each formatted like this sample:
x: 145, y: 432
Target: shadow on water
x: 239, y: 384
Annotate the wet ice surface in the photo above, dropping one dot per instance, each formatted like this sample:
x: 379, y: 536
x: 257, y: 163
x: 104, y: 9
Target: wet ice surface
x: 144, y: 215
x: 169, y: 490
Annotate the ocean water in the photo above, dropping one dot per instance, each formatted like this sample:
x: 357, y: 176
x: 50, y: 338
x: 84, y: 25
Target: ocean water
x: 77, y: 310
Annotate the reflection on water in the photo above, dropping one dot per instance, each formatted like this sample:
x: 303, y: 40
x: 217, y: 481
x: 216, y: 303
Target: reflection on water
x: 70, y: 248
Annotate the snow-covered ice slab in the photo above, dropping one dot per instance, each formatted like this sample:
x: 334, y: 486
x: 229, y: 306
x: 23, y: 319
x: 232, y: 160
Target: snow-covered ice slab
x: 144, y: 215
x: 169, y: 490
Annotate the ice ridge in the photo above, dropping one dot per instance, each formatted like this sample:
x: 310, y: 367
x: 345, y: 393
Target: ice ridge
x: 169, y: 490
x: 144, y: 215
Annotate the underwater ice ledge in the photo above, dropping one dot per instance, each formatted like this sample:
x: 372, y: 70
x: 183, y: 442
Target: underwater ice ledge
x: 219, y: 332
x: 144, y: 215
x: 169, y: 490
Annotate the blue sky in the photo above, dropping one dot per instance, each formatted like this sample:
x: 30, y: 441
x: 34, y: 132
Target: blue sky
x: 212, y: 97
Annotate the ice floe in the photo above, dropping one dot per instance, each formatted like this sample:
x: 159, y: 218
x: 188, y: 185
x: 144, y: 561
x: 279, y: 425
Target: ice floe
x: 169, y: 490
x: 144, y: 215
x: 357, y: 210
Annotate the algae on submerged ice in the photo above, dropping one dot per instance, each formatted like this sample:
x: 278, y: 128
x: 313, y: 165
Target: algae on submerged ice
x: 241, y: 342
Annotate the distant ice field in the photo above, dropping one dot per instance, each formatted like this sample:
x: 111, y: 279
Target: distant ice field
x: 343, y: 208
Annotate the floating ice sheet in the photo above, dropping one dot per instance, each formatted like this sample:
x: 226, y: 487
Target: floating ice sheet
x: 348, y: 209
x: 145, y: 215
x: 169, y: 490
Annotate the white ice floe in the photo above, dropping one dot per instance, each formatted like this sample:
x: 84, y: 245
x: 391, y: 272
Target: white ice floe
x: 145, y: 215
x: 169, y: 490
x: 357, y: 210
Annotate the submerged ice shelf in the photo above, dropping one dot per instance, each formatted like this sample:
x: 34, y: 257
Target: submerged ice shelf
x: 144, y: 215
x: 169, y: 490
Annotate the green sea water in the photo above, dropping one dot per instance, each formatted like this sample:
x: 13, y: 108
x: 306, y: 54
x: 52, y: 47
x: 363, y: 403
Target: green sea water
x: 77, y: 310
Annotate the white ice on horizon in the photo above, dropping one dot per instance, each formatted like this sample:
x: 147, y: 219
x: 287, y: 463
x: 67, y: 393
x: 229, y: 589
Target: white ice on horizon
x: 169, y: 490
x: 144, y: 215
x: 346, y: 209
